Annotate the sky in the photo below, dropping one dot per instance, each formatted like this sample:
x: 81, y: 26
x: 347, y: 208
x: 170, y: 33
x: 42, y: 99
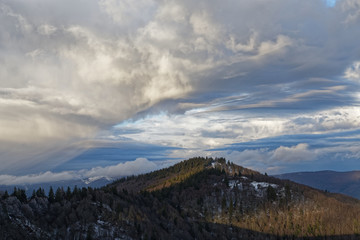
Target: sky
x: 113, y: 88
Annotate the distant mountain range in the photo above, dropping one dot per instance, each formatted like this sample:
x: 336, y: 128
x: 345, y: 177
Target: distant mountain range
x: 87, y: 182
x: 200, y: 198
x: 338, y: 182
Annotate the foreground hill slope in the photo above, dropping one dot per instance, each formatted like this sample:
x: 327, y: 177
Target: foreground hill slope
x: 201, y: 198
x: 341, y: 182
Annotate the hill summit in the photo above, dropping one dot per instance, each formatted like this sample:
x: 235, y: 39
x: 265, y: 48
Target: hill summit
x: 200, y: 198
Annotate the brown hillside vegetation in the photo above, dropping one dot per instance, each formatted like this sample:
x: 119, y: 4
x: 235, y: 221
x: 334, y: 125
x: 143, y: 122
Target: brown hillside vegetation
x: 201, y: 198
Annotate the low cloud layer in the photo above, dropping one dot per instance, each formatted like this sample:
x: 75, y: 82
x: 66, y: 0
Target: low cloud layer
x: 71, y: 70
x: 136, y: 167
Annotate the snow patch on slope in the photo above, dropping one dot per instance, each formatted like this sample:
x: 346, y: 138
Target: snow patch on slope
x: 262, y: 185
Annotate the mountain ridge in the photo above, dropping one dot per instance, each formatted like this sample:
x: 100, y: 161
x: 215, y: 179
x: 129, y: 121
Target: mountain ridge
x: 347, y: 183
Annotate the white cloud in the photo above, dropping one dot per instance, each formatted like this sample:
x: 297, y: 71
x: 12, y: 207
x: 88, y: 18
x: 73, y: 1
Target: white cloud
x: 248, y: 157
x: 136, y: 167
x: 352, y: 9
x: 216, y: 129
x: 36, y: 178
x: 270, y: 47
x: 127, y: 12
x: 353, y: 72
x: 296, y: 153
x: 273, y: 160
x: 140, y: 165
x: 238, y: 46
x: 21, y: 23
x: 46, y: 29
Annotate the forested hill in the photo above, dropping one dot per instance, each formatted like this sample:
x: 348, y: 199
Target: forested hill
x: 201, y: 198
x: 178, y: 173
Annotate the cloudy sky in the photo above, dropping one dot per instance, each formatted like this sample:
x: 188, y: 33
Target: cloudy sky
x: 114, y: 87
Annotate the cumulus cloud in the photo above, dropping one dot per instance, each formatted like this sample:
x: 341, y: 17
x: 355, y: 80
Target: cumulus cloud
x: 71, y: 69
x: 296, y: 153
x: 271, y: 158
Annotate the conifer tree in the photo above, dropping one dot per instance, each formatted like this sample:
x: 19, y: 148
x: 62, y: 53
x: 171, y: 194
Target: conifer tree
x: 68, y: 193
x: 223, y: 204
x: 40, y: 193
x: 33, y: 195
x: 6, y: 195
x: 51, y: 195
x: 22, y: 195
x: 59, y: 194
x: 231, y: 208
x: 14, y: 192
x: 271, y: 193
